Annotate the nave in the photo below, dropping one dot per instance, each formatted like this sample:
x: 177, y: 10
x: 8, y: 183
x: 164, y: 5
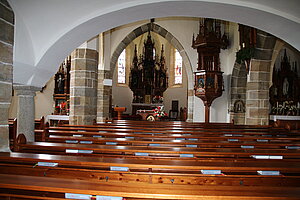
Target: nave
x: 124, y: 159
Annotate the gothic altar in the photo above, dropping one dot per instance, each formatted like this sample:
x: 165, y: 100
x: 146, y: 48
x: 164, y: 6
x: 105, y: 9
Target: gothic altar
x: 148, y: 77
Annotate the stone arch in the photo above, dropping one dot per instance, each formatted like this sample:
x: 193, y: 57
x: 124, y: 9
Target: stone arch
x: 171, y: 39
x: 256, y: 84
x: 238, y: 91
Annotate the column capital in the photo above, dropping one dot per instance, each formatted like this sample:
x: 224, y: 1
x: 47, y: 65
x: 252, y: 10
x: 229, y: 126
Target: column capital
x: 27, y: 90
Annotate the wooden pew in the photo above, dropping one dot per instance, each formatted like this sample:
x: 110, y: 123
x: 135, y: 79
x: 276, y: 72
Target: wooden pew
x: 39, y: 123
x: 55, y: 188
x: 12, y: 123
x: 288, y: 124
x: 234, y: 173
x: 153, y: 151
x: 139, y: 141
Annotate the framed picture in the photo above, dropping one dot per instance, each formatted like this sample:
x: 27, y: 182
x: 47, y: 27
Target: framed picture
x: 147, y: 98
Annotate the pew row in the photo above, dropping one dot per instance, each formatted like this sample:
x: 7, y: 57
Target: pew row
x: 56, y: 188
x: 233, y: 173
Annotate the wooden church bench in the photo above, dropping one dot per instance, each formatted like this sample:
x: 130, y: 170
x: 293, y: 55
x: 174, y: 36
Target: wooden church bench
x: 172, y: 143
x: 57, y: 187
x: 210, y: 132
x: 12, y: 126
x: 234, y: 138
x: 103, y: 150
x: 162, y: 172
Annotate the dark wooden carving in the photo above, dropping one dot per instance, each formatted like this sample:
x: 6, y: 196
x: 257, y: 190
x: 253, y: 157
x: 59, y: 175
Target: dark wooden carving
x: 62, y: 88
x: 284, y: 92
x: 148, y: 77
x: 208, y: 79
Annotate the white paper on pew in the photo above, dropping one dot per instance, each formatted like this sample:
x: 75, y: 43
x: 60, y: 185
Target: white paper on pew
x: 85, y: 151
x: 211, y: 171
x: 71, y: 141
x: 99, y: 136
x: 292, y: 147
x: 128, y: 137
x: 281, y: 135
x: 108, y: 198
x: 261, y: 140
x: 233, y: 140
x: 260, y: 156
x: 77, y: 196
x: 186, y: 155
x: 187, y: 134
x: 141, y: 154
x: 247, y: 147
x: 272, y: 173
x: 102, y: 131
x: 179, y: 138
x: 276, y: 157
x: 76, y: 135
x: 86, y: 142
x: 194, y: 139
x: 123, y: 169
x: 71, y: 150
x: 47, y: 164
x: 227, y: 135
x: 111, y: 143
x: 191, y: 145
x: 154, y: 145
x: 81, y: 131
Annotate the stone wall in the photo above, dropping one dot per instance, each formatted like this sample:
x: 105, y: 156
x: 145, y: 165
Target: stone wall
x: 104, y: 95
x: 6, y: 69
x: 83, y: 86
x: 238, y: 92
x: 257, y: 104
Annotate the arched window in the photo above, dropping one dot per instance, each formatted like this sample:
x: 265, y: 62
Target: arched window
x: 122, y: 68
x: 178, y: 68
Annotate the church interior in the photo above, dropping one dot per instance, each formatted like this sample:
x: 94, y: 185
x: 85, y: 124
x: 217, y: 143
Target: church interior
x: 149, y: 100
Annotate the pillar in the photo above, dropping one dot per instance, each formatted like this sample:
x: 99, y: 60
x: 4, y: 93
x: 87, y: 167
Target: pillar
x: 257, y: 103
x: 104, y: 95
x: 26, y: 110
x: 83, y: 86
x: 104, y: 78
x: 6, y: 69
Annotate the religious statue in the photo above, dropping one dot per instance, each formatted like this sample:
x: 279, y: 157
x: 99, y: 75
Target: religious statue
x: 285, y: 88
x: 60, y: 84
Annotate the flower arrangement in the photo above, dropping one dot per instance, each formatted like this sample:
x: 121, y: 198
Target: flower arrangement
x: 159, y: 112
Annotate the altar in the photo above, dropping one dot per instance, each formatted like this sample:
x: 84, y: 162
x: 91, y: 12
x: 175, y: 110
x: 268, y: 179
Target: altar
x: 144, y: 106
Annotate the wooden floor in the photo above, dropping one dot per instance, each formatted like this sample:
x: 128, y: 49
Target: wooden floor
x: 145, y: 160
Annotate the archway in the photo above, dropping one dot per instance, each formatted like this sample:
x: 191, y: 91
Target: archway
x: 41, y: 47
x: 173, y: 41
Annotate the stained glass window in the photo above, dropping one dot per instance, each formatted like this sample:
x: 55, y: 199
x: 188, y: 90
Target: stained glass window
x: 122, y: 68
x: 178, y: 68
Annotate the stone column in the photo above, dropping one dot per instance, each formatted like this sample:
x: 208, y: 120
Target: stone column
x: 26, y: 110
x: 104, y: 95
x: 257, y: 103
x: 6, y: 69
x: 104, y: 77
x: 83, y: 86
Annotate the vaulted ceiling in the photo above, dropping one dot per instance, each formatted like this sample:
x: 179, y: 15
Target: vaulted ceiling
x: 48, y: 30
